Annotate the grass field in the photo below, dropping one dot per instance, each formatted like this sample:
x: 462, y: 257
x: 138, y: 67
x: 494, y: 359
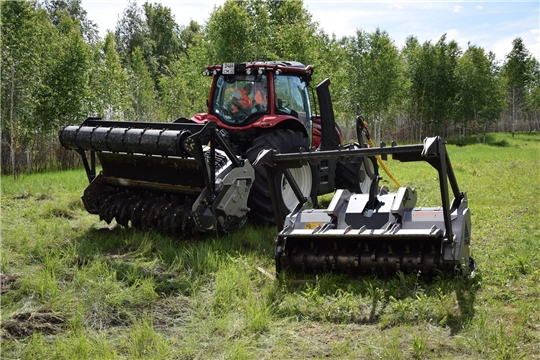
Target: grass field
x: 75, y: 288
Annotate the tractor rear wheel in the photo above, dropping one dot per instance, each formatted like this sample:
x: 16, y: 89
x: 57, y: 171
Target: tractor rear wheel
x: 260, y: 201
x: 352, y: 175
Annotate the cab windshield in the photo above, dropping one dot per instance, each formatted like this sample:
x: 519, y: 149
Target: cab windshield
x: 237, y: 97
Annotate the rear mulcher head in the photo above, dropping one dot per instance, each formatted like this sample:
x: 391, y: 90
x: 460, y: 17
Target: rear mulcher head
x: 161, y: 176
x: 394, y: 236
x: 377, y: 232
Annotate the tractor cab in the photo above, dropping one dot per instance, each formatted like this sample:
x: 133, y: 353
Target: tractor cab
x: 260, y: 94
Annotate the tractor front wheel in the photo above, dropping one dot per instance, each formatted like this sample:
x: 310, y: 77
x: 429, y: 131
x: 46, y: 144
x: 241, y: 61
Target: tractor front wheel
x: 260, y: 201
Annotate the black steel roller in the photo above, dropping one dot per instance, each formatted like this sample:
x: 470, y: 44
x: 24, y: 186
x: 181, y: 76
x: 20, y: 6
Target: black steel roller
x: 162, y: 142
x: 367, y: 257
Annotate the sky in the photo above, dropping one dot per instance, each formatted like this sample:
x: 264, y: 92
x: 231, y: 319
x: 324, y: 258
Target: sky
x: 492, y: 25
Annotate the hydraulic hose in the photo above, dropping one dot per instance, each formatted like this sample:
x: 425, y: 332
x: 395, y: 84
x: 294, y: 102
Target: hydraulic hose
x: 383, y: 165
x: 361, y: 123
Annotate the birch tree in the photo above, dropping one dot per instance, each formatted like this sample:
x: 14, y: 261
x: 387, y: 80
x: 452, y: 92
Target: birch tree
x: 517, y: 70
x: 26, y: 37
x: 479, y: 99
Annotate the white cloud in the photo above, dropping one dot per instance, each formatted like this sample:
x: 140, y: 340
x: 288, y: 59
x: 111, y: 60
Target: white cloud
x: 502, y: 46
x: 395, y: 6
x: 533, y: 39
x: 480, y: 8
x: 454, y: 34
x: 457, y: 8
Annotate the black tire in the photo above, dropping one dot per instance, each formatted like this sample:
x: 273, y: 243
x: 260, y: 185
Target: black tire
x: 259, y: 201
x: 352, y: 175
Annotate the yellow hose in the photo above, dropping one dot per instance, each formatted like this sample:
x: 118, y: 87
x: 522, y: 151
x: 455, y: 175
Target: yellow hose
x: 381, y: 162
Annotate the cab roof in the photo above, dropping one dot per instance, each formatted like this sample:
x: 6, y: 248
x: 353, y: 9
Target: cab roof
x: 283, y: 66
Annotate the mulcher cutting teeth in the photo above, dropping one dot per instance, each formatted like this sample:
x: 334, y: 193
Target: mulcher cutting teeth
x: 143, y: 209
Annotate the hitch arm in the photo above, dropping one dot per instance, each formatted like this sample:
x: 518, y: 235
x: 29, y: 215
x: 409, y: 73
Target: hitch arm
x: 89, y: 167
x: 266, y: 159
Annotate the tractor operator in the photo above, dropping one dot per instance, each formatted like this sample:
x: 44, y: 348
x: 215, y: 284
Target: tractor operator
x: 241, y: 101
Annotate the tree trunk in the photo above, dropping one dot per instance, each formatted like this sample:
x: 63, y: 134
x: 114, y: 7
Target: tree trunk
x: 28, y: 160
x: 513, y: 112
x: 374, y: 130
x: 11, y: 123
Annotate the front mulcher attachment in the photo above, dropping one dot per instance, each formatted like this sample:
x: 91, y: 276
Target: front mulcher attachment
x: 378, y: 232
x: 180, y: 178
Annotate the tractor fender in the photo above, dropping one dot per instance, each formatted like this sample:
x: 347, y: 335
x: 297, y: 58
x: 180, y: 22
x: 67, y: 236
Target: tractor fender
x: 316, y: 131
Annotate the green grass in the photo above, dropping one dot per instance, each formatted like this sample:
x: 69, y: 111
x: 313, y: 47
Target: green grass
x: 76, y: 288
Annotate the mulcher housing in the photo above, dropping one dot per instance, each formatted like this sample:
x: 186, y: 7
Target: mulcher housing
x: 380, y: 231
x: 162, y: 175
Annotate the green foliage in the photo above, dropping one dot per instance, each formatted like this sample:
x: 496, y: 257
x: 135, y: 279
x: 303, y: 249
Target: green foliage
x: 240, y: 31
x: 63, y: 96
x: 519, y: 72
x: 185, y: 91
x: 293, y: 31
x: 230, y: 29
x: 480, y: 91
x: 533, y: 98
x: 144, y: 104
x: 432, y: 86
x: 164, y: 32
x: 132, y: 32
x: 108, y: 81
x: 58, y: 8
x: 375, y: 79
x: 25, y: 44
x: 518, y: 67
x: 56, y: 71
x: 332, y: 52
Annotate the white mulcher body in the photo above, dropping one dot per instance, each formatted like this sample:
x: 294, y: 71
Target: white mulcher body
x: 394, y: 236
x: 378, y: 232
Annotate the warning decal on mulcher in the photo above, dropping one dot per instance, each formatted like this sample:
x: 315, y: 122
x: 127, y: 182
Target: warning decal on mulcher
x: 311, y: 225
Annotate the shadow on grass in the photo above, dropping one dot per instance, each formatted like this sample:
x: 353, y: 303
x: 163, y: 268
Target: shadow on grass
x: 174, y: 263
x: 392, y: 300
x: 180, y: 266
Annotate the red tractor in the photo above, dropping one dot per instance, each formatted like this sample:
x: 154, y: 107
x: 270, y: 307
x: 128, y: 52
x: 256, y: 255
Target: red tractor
x: 267, y: 105
x: 198, y: 170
